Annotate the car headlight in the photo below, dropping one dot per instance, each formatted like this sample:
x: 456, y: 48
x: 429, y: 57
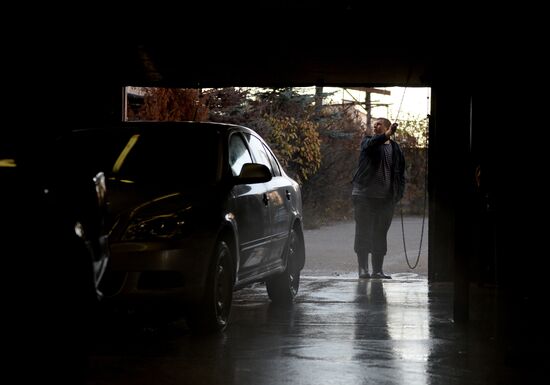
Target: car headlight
x: 160, y: 227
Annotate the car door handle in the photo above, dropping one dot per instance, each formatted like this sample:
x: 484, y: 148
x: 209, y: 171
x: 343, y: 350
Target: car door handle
x: 288, y: 195
x: 266, y: 199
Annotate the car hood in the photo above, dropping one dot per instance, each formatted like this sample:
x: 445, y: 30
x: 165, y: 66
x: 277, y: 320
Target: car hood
x: 131, y: 201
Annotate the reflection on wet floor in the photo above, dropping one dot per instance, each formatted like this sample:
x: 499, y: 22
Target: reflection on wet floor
x: 340, y: 331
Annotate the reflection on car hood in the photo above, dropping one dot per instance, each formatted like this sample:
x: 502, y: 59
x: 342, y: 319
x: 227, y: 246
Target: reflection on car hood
x: 129, y: 201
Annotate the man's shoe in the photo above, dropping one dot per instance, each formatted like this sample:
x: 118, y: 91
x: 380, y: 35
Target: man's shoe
x: 363, y: 273
x: 380, y: 275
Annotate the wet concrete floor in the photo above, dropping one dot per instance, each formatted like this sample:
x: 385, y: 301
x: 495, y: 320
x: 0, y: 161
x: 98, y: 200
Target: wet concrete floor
x: 341, y: 330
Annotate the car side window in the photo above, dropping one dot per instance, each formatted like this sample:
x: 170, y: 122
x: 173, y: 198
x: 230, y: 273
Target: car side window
x: 259, y: 152
x: 274, y: 163
x: 238, y: 154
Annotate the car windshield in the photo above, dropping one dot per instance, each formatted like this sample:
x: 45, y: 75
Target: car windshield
x: 160, y: 157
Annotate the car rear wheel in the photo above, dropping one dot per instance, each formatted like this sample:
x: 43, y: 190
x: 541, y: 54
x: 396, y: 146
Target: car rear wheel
x: 282, y: 288
x: 213, y: 313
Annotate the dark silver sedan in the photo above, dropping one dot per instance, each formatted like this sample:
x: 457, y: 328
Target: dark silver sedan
x: 197, y: 210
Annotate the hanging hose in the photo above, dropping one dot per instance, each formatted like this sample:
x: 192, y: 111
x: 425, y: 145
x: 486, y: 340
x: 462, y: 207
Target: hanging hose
x: 423, y: 220
x: 412, y: 267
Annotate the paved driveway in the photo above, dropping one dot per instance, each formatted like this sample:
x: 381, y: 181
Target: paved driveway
x: 329, y: 249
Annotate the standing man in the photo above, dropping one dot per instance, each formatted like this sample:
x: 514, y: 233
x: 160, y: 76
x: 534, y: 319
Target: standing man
x: 378, y: 184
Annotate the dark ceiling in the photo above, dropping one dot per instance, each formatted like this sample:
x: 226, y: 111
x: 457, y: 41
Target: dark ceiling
x: 281, y: 60
x: 279, y: 44
x: 261, y: 43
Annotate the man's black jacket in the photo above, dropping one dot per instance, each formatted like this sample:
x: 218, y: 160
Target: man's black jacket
x: 369, y: 161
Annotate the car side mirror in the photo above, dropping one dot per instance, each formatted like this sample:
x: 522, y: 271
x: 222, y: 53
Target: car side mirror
x: 253, y: 173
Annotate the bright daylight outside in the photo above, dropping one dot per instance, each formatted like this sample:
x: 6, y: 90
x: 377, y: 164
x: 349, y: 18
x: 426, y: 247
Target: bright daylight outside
x: 316, y: 134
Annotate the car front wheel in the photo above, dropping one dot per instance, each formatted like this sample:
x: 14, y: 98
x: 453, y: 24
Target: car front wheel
x: 212, y: 315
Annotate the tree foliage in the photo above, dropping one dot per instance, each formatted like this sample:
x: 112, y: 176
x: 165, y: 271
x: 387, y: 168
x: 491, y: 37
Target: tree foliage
x: 412, y: 132
x: 412, y: 136
x: 327, y: 194
x: 296, y: 144
x: 282, y: 116
x: 317, y: 145
x: 173, y: 104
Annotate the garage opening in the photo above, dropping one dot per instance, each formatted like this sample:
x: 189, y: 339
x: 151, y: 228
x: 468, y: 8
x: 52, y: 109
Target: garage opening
x: 316, y: 132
